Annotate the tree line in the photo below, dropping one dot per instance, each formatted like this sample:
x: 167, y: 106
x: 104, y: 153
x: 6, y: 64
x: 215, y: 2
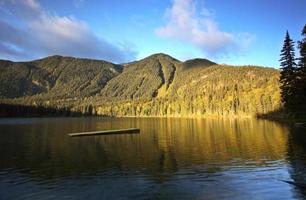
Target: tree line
x: 293, y: 75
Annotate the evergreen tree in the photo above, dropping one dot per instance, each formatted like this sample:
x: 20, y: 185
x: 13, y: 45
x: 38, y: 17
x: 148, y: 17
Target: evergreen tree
x: 302, y: 70
x: 288, y: 73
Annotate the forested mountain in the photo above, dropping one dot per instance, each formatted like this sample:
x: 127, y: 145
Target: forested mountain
x: 55, y: 77
x: 143, y: 80
x: 158, y: 85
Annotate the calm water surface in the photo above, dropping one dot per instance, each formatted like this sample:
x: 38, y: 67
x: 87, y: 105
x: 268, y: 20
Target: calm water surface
x: 169, y: 159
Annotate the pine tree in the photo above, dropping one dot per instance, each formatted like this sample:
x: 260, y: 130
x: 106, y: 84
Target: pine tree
x: 302, y: 71
x: 288, y: 73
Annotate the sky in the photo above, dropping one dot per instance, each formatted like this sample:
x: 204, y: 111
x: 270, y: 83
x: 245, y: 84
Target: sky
x: 235, y: 32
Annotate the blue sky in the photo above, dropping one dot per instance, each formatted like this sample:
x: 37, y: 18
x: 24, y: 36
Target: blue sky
x: 236, y: 32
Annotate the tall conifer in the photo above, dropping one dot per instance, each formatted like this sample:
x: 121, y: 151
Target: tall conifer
x: 288, y: 73
x: 301, y: 71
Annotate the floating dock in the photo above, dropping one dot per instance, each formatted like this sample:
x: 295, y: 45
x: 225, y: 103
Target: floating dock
x: 107, y: 132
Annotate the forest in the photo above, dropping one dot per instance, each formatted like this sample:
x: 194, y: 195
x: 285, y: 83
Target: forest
x: 293, y: 76
x: 158, y: 85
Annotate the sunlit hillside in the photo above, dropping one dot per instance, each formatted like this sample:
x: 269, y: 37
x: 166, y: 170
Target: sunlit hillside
x: 158, y: 85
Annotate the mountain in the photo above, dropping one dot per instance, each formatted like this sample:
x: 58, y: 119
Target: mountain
x: 158, y: 85
x: 144, y: 79
x: 198, y: 62
x: 55, y: 77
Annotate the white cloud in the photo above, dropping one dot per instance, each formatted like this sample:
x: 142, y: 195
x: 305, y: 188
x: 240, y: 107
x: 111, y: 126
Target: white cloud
x: 42, y: 33
x: 201, y: 30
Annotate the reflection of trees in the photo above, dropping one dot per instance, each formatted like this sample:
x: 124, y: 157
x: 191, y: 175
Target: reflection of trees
x: 163, y: 147
x: 15, y: 110
x: 297, y: 157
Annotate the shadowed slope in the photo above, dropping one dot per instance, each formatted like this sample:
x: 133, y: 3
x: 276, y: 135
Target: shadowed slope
x: 198, y: 62
x: 55, y: 77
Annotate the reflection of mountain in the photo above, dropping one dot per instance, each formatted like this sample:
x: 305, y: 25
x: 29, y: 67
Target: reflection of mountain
x: 163, y: 147
x: 297, y: 157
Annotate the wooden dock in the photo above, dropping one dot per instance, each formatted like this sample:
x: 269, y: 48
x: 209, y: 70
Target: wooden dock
x: 107, y: 132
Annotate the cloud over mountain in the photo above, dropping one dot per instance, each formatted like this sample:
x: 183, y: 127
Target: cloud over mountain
x: 186, y: 24
x: 29, y: 31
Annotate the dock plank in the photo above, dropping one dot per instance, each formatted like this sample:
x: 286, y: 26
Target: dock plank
x: 106, y: 132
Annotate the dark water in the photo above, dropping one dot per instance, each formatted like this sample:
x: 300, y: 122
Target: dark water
x: 169, y: 159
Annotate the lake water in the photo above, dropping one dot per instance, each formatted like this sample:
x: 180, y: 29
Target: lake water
x: 169, y: 159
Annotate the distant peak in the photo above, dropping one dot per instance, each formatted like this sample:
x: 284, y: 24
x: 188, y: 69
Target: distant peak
x: 69, y: 58
x: 53, y: 56
x: 161, y: 55
x: 198, y: 62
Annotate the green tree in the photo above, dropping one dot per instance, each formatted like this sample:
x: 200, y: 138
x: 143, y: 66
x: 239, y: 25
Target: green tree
x: 288, y: 73
x: 302, y: 71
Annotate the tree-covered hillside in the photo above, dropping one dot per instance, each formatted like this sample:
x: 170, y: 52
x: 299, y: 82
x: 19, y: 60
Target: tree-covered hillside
x: 158, y: 85
x: 55, y: 77
x: 203, y: 91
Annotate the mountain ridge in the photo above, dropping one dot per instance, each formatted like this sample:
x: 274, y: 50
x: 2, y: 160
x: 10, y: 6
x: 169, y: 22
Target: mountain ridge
x: 158, y: 85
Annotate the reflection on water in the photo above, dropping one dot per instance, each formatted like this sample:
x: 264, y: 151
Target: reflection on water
x: 297, y: 157
x: 169, y: 159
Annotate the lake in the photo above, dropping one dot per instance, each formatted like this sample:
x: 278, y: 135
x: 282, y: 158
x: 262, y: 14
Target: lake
x: 171, y: 158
